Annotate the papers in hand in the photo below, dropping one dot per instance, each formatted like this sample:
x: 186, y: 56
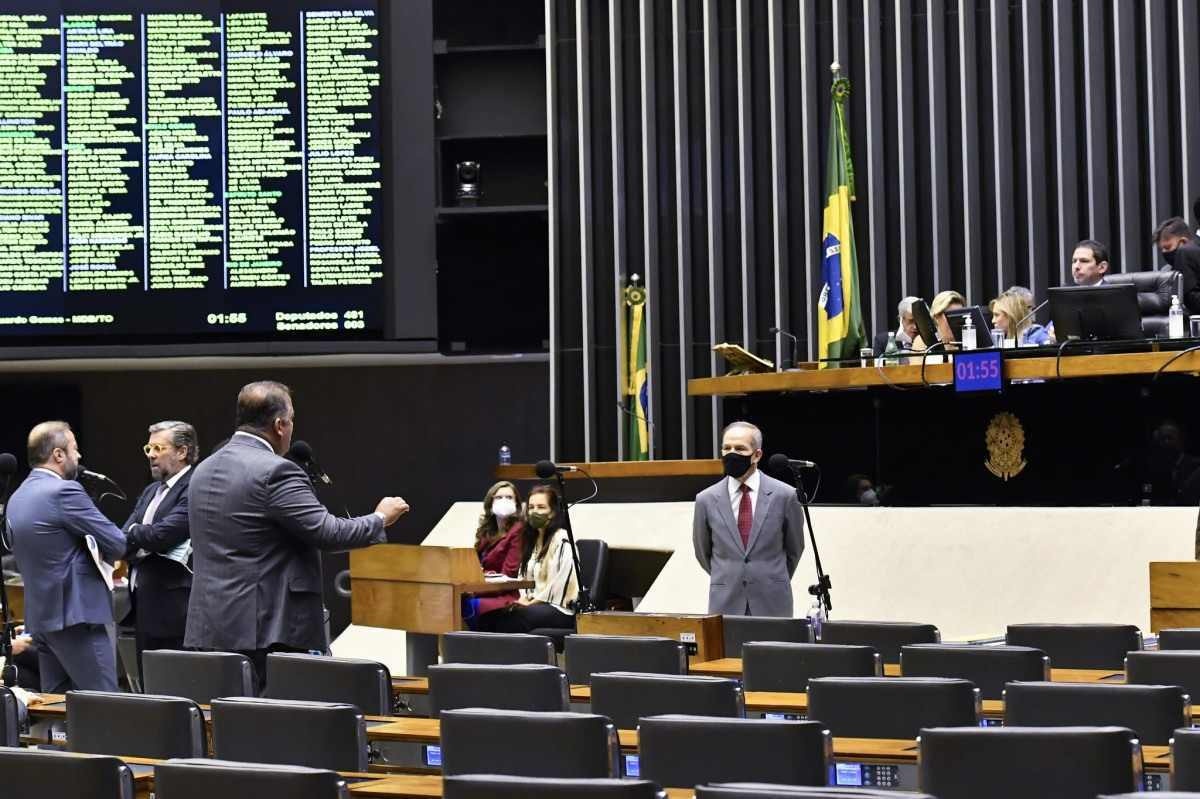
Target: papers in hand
x: 106, y: 569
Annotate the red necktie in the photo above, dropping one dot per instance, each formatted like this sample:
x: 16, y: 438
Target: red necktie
x: 745, y: 516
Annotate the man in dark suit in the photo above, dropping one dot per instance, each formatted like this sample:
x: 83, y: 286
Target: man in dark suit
x: 748, y: 532
x: 159, y: 541
x: 1179, y: 249
x: 68, y: 604
x: 257, y: 528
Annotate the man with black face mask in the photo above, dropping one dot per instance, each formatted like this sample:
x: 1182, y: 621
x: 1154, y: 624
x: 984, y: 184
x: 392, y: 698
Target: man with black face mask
x: 748, y: 532
x: 1179, y: 249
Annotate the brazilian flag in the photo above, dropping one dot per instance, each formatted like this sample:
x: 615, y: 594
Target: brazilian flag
x: 636, y: 386
x: 839, y: 321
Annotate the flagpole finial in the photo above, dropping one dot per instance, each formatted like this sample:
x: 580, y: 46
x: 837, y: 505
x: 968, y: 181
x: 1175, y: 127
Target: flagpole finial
x: 835, y: 68
x: 634, y: 278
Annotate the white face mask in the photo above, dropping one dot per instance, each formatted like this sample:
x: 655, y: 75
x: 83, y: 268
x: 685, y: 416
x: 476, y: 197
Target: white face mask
x: 502, y: 508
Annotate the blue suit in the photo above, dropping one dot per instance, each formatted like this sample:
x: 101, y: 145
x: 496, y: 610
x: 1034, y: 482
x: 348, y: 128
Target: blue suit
x: 67, y: 603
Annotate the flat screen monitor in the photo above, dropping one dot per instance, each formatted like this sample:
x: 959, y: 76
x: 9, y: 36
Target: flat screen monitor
x: 983, y: 330
x: 1095, y: 313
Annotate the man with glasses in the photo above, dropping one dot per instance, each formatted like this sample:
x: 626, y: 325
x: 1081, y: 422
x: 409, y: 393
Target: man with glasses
x: 160, y: 544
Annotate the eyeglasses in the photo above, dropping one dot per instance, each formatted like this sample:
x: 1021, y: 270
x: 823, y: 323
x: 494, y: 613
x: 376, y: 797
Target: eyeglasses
x: 156, y: 449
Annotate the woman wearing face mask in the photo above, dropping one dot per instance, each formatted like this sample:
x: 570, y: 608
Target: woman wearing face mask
x: 498, y: 545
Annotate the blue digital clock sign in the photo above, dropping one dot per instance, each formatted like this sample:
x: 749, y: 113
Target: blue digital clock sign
x: 978, y: 370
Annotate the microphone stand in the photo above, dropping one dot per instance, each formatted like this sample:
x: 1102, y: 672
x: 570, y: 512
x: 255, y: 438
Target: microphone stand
x: 583, y: 601
x: 823, y: 584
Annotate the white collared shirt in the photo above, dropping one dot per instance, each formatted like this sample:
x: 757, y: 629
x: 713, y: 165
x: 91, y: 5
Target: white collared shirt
x: 735, y: 492
x: 173, y: 479
x: 47, y: 471
x: 264, y: 442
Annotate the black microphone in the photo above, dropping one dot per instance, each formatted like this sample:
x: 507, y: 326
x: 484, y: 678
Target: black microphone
x: 8, y: 465
x: 547, y: 469
x: 1032, y: 313
x: 88, y: 474
x: 104, y: 478
x: 301, y: 454
x: 795, y: 341
x: 778, y: 462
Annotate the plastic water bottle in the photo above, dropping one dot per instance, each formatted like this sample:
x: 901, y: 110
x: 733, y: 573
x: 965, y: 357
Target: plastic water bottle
x: 816, y: 616
x: 891, y: 353
x: 1175, y: 318
x: 505, y: 455
x: 968, y: 334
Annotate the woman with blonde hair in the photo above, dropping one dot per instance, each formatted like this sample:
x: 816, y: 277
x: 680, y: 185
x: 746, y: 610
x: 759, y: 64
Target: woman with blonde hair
x: 948, y: 300
x: 1010, y: 313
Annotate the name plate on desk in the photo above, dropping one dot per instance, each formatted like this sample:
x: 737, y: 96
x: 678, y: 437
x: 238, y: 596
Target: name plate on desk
x: 978, y: 370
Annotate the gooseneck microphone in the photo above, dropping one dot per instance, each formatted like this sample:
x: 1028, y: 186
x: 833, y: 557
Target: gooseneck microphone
x: 795, y: 341
x: 547, y: 469
x: 301, y: 454
x: 778, y: 462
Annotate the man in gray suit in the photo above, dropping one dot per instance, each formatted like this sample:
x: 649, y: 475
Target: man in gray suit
x: 68, y: 604
x: 748, y: 532
x: 257, y: 528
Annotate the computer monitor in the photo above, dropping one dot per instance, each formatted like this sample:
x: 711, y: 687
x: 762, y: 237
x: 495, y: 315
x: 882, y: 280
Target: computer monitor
x: 983, y: 330
x: 1096, y: 313
x: 924, y: 323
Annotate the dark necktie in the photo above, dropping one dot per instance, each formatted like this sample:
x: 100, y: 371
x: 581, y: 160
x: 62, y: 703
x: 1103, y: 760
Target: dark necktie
x: 745, y: 516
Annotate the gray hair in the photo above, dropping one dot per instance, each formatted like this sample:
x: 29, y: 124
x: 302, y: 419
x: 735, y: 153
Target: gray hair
x: 1022, y: 292
x: 182, y: 435
x: 756, y: 436
x: 905, y: 307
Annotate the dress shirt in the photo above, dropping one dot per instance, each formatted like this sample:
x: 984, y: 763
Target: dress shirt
x: 735, y: 492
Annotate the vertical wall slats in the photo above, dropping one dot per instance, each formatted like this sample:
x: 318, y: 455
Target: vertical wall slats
x: 904, y: 167
x: 1129, y: 221
x: 650, y: 210
x: 876, y: 197
x: 810, y: 151
x: 1037, y: 271
x: 1066, y: 150
x: 1002, y: 150
x: 683, y: 215
x: 713, y: 210
x: 969, y: 133
x: 939, y: 182
x: 1188, y: 26
x: 583, y: 71
x: 552, y: 216
x: 745, y: 167
x: 1095, y: 122
x: 620, y: 272
x: 779, y: 205
x: 1158, y: 153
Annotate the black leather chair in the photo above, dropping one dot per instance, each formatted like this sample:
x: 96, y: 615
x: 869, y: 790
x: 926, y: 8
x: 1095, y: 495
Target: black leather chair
x: 36, y: 773
x: 1172, y: 667
x: 498, y: 649
x: 1152, y: 711
x: 625, y: 698
x: 1079, y: 646
x: 1154, y: 290
x: 789, y: 667
x: 891, y: 707
x: 528, y: 744
x: 135, y: 725
x: 199, y: 676
x: 516, y: 687
x: 495, y: 786
x: 989, y: 667
x: 1157, y: 795
x: 204, y: 779
x: 1179, y: 638
x: 589, y: 654
x: 1185, y: 760
x: 680, y: 751
x: 593, y: 563
x: 737, y: 630
x: 1007, y: 762
x: 320, y: 735
x: 757, y: 790
x: 366, y: 684
x: 10, y: 719
x: 886, y: 636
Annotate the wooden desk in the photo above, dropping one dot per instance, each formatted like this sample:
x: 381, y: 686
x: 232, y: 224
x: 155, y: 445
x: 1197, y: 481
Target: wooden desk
x: 1174, y: 594
x: 417, y: 786
x: 701, y: 633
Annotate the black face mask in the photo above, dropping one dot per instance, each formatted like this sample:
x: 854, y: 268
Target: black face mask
x: 1169, y: 257
x: 735, y: 464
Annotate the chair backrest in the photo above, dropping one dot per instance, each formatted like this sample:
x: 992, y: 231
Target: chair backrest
x: 886, y: 636
x: 523, y: 686
x: 499, y: 649
x: 199, y: 676
x: 1079, y: 646
x: 626, y: 697
x: 1005, y: 762
x: 757, y: 790
x: 528, y: 744
x: 589, y: 654
x: 134, y: 725
x: 737, y: 630
x: 10, y: 719
x: 322, y: 735
x: 204, y: 779
x: 1152, y: 711
x: 1179, y: 638
x: 1172, y: 667
x: 496, y: 786
x: 891, y: 707
x: 1185, y: 760
x: 35, y: 773
x: 788, y: 667
x: 989, y: 667
x: 366, y: 684
x: 593, y: 561
x: 681, y: 751
x: 1154, y: 288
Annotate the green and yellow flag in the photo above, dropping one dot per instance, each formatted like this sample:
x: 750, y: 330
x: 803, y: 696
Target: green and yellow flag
x: 839, y: 323
x: 636, y: 387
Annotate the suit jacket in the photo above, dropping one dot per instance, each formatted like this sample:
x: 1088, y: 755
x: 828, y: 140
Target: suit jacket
x: 49, y: 518
x: 257, y: 528
x: 162, y: 585
x: 1187, y: 263
x: 758, y: 575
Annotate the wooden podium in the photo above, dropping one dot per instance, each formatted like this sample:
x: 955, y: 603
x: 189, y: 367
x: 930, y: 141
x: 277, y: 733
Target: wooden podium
x: 1174, y: 594
x: 702, y: 633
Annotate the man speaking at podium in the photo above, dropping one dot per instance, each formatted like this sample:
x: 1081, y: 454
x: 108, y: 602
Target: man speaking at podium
x: 256, y: 530
x: 748, y: 532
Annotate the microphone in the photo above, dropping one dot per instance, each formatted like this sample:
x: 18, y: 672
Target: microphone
x: 779, y: 462
x: 103, y: 478
x: 547, y: 469
x: 795, y: 341
x: 1029, y: 315
x: 88, y: 474
x: 8, y: 465
x: 301, y: 454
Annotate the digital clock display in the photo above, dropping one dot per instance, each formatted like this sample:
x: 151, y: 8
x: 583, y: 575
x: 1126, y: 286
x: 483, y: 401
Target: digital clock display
x: 979, y: 370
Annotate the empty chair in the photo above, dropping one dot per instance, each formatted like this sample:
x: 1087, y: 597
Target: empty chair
x: 518, y: 687
x: 1175, y: 667
x: 496, y: 786
x: 891, y: 707
x: 499, y: 649
x: 789, y: 667
x: 528, y: 744
x: 593, y: 563
x: 134, y: 725
x: 625, y: 697
x: 10, y: 719
x: 366, y: 684
x: 757, y: 790
x: 199, y: 676
x: 886, y: 636
x: 314, y: 734
x: 1185, y: 760
x: 989, y: 667
x: 740, y: 629
x: 679, y: 751
x: 1079, y: 646
x: 589, y: 654
x: 1179, y: 638
x: 1152, y: 711
x: 1006, y: 762
x: 204, y: 779
x: 34, y: 773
